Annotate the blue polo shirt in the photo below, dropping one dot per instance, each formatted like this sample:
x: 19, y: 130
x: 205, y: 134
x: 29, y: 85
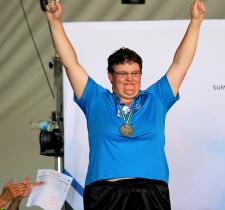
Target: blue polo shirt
x: 113, y: 155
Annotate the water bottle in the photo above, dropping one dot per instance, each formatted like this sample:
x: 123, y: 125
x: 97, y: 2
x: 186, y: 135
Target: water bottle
x: 44, y: 125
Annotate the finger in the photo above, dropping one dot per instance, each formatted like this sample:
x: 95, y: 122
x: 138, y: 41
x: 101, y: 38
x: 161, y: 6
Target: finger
x: 15, y: 188
x: 37, y: 184
x: 29, y: 188
x: 32, y: 185
x: 199, y: 5
x: 201, y: 8
x: 26, y: 179
x: 50, y: 7
x: 53, y: 6
x: 8, y: 183
x: 59, y: 6
x: 194, y: 5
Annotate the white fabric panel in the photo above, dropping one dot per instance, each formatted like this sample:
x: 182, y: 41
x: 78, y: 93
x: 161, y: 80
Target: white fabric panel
x: 195, y: 125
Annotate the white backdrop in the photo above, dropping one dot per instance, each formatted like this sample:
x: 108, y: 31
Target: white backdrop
x: 195, y: 127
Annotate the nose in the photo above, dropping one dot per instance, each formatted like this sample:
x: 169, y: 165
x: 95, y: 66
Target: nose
x: 129, y: 76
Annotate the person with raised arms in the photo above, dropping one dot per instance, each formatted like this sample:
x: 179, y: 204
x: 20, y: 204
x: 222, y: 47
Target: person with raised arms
x: 127, y: 163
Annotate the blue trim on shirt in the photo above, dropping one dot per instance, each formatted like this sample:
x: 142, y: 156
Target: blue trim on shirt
x: 75, y: 184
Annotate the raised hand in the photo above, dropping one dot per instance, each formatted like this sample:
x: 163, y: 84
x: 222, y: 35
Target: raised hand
x: 197, y: 10
x: 54, y: 11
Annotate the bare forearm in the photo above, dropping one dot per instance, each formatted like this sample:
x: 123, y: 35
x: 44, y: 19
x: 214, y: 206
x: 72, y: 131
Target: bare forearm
x: 76, y: 73
x: 187, y: 48
x: 63, y: 46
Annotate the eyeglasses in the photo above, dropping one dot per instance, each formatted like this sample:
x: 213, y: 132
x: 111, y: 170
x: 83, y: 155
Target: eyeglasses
x: 124, y: 74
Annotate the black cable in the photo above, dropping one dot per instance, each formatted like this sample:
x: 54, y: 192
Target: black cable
x: 39, y: 56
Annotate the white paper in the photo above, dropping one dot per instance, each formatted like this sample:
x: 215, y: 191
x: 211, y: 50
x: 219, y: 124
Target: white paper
x: 52, y: 194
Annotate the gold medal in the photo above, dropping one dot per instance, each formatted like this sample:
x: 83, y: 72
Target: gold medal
x: 126, y: 130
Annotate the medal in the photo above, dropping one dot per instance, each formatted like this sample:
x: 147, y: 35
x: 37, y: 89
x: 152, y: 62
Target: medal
x: 126, y: 130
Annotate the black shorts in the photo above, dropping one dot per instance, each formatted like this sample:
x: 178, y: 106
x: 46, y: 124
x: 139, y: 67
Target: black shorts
x: 127, y: 194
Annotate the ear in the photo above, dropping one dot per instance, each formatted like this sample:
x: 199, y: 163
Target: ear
x: 110, y: 76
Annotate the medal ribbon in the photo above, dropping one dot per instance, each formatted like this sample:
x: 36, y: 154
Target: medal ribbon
x: 122, y: 112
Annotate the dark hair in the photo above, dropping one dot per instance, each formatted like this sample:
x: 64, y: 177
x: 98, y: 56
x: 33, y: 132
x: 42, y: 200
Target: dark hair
x: 121, y: 56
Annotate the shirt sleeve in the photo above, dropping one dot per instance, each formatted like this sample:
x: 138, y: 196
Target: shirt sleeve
x: 163, y: 91
x: 91, y: 91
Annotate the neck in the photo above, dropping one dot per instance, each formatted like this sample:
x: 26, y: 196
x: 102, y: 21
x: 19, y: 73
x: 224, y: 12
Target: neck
x: 126, y: 101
